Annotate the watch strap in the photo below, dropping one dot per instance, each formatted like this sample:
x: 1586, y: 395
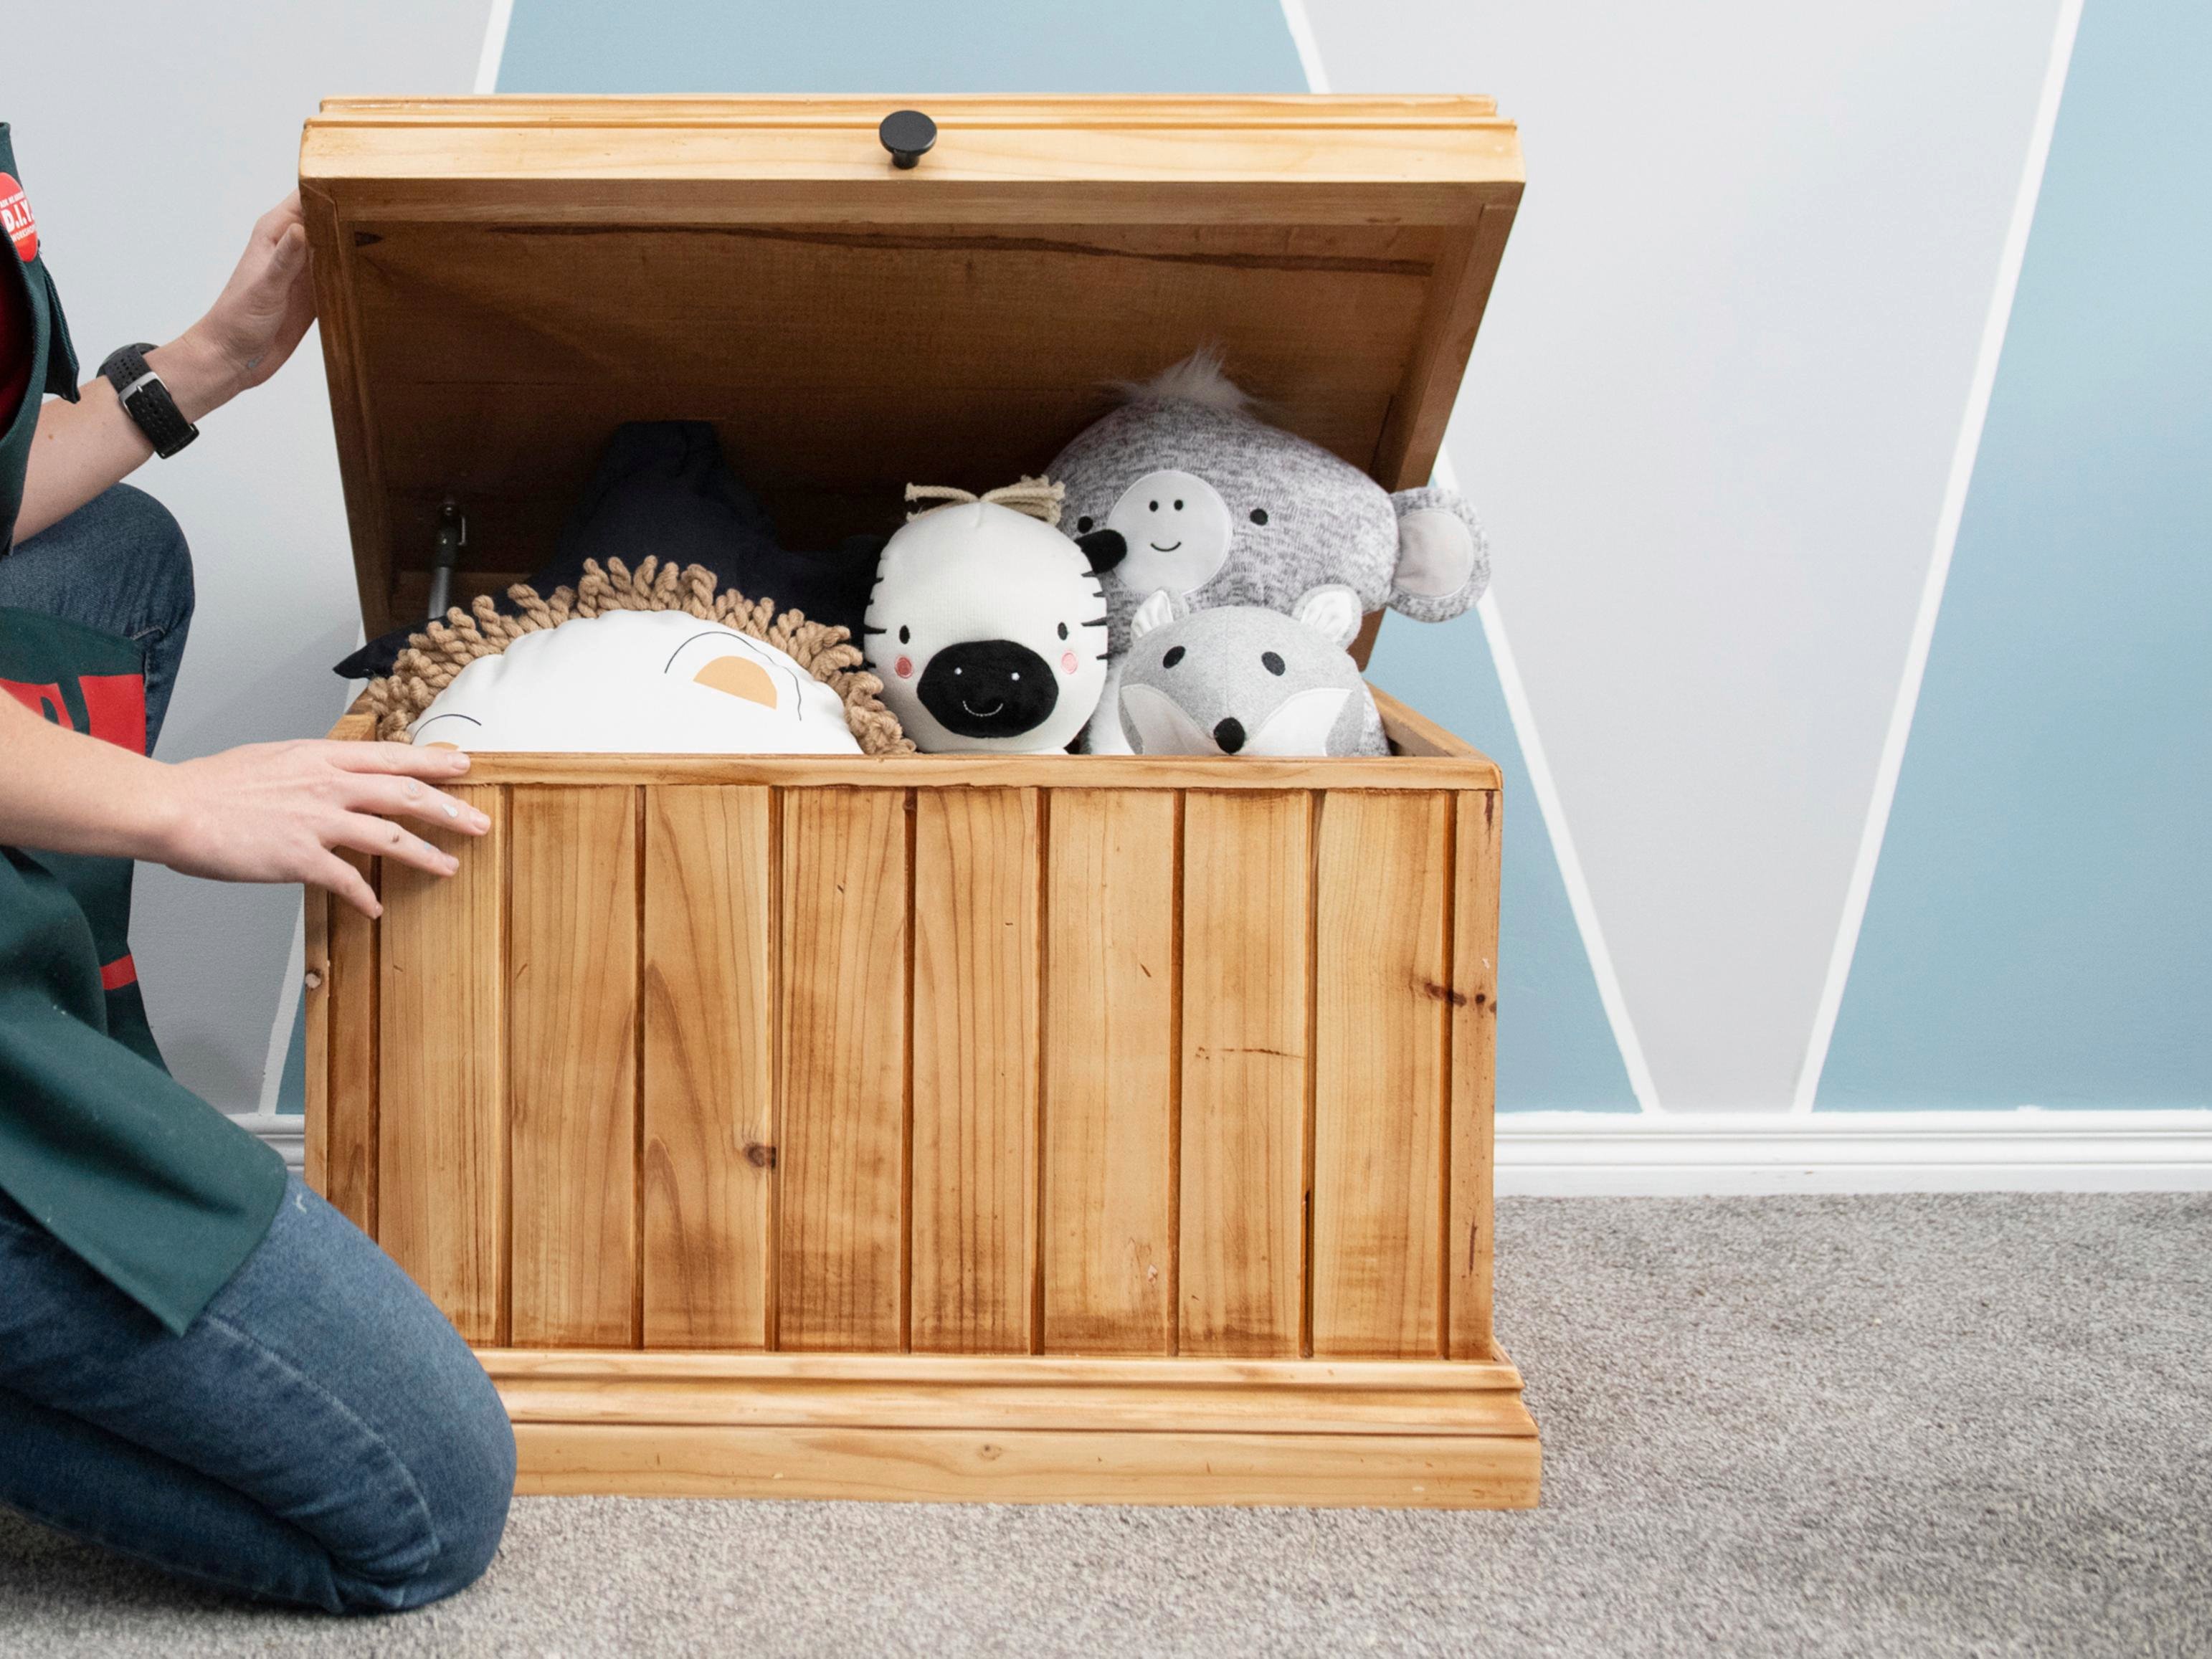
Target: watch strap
x: 146, y: 399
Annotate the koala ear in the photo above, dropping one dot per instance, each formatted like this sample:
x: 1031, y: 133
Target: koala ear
x: 1332, y: 610
x: 1158, y: 611
x: 1443, y: 562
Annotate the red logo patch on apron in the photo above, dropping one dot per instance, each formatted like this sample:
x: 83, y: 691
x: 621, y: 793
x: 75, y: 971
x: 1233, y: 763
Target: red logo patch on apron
x: 15, y: 218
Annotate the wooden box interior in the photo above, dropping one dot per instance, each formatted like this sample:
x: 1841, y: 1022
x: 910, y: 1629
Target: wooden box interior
x: 502, y: 281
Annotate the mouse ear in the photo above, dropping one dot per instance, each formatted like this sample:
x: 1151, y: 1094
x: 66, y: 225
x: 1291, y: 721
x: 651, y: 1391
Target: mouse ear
x: 1332, y: 610
x: 1158, y: 611
x: 1444, y: 559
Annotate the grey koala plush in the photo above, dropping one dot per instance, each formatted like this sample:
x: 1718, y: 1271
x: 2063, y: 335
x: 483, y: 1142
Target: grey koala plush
x: 1240, y: 679
x: 1192, y: 493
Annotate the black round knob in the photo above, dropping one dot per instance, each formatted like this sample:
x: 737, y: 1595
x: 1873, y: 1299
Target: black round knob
x: 907, y: 134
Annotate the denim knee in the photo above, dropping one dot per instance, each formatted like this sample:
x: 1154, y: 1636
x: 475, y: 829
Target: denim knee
x: 156, y: 567
x: 118, y: 564
x: 465, y: 1469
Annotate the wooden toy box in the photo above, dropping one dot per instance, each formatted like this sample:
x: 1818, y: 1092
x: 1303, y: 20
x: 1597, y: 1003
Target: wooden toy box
x: 1054, y: 1127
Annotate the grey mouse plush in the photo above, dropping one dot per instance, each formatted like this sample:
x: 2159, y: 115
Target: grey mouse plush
x: 1240, y: 679
x: 1184, y: 489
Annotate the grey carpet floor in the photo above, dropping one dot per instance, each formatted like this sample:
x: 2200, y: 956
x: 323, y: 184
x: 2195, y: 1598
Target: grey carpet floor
x: 1806, y: 1425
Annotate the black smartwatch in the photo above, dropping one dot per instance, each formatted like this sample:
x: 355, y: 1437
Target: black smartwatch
x: 147, y: 401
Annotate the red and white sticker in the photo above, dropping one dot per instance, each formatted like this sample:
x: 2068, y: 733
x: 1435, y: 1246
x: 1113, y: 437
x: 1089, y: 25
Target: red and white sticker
x: 15, y: 218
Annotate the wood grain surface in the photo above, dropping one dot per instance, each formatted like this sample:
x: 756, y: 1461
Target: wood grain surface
x: 710, y: 1135
x: 442, y: 1098
x: 350, y: 1074
x: 976, y: 861
x: 1469, y: 1241
x: 572, y: 1075
x: 1382, y: 885
x: 1031, y: 1466
x: 1111, y: 1007
x: 1246, y: 977
x: 842, y: 1209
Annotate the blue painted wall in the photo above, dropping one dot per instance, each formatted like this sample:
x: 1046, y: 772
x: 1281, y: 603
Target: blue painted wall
x: 872, y: 46
x: 2039, y: 930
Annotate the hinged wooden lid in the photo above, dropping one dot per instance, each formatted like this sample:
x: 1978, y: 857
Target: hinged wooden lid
x: 502, y: 281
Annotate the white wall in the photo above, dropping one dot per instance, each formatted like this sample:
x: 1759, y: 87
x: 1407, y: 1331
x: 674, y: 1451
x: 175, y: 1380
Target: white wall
x: 141, y: 216
x: 1710, y: 419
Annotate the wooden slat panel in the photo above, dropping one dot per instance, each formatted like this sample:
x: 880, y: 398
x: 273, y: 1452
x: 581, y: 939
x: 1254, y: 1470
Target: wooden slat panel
x: 351, y: 993
x: 1109, y: 1072
x: 976, y: 883
x: 442, y: 1098
x: 572, y: 1065
x: 710, y: 1144
x: 1247, y: 872
x: 315, y: 1003
x: 1382, y: 886
x: 1469, y: 1238
x: 841, y: 1211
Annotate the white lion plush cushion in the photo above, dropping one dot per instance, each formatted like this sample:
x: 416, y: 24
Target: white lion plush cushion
x: 638, y: 682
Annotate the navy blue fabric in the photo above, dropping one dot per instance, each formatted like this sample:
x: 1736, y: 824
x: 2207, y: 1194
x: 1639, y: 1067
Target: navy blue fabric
x: 663, y: 488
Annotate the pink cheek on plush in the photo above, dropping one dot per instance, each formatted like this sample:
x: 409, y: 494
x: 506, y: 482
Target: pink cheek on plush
x: 903, y: 668
x: 1067, y: 661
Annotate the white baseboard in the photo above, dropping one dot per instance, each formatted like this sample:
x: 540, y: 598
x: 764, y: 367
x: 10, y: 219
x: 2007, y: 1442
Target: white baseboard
x: 1609, y: 1154
x: 1573, y: 1154
x: 286, y: 1131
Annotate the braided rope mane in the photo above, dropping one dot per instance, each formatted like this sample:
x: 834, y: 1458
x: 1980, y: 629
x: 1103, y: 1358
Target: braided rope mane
x: 436, y: 657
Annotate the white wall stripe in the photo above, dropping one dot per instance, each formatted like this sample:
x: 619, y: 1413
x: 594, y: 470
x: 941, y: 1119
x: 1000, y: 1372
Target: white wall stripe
x: 495, y: 46
x: 1542, y: 785
x: 1303, y: 37
x: 1546, y: 791
x: 1963, y: 456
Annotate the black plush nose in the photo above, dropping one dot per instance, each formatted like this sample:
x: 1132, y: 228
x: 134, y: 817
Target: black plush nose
x: 1230, y: 734
x: 989, y: 689
x: 1104, y: 549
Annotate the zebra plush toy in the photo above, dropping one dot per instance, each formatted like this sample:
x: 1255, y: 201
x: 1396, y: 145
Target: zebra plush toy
x: 987, y: 625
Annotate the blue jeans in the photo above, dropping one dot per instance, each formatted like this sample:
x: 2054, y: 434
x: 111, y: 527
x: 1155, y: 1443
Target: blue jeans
x: 320, y: 1435
x: 119, y: 564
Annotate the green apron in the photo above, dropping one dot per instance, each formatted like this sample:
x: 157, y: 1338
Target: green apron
x: 157, y: 1191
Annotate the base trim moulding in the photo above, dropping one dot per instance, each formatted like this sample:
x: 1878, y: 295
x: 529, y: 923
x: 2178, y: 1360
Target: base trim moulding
x: 1411, y: 1434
